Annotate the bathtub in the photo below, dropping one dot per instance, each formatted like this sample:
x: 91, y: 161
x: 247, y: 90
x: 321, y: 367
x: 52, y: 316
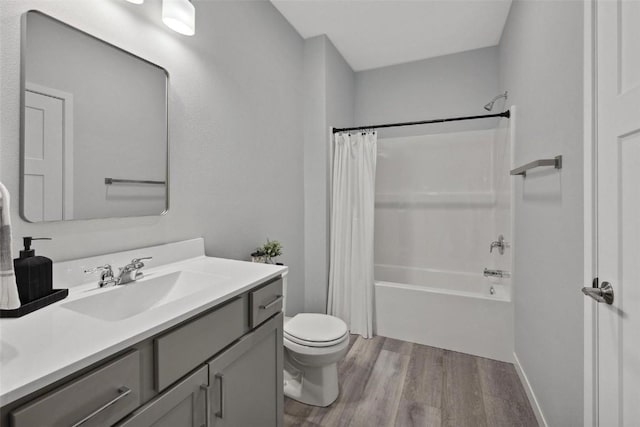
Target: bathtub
x: 457, y: 311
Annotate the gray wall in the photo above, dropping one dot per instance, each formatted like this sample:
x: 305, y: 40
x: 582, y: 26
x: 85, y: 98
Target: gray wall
x: 235, y: 102
x: 446, y: 86
x: 541, y: 66
x: 329, y: 101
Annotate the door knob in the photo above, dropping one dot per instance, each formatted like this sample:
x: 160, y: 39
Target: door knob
x: 602, y: 294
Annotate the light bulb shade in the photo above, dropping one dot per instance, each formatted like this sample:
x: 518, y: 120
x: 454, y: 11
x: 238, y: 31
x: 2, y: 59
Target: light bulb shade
x: 136, y: 1
x: 180, y: 16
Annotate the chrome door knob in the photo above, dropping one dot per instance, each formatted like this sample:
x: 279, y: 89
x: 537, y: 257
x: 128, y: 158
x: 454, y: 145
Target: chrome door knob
x: 602, y: 294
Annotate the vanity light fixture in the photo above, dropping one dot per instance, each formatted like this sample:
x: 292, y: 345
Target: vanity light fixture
x: 180, y: 16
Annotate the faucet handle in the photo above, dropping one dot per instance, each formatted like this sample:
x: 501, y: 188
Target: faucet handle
x: 137, y: 262
x: 105, y: 269
x: 106, y: 274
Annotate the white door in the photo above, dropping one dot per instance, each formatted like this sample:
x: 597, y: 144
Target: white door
x: 618, y: 210
x: 43, y: 151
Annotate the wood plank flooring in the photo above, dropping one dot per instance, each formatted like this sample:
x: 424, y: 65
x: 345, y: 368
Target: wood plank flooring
x: 387, y: 382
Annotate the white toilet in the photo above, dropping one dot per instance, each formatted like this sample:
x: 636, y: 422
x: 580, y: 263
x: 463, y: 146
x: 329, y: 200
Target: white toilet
x: 313, y: 344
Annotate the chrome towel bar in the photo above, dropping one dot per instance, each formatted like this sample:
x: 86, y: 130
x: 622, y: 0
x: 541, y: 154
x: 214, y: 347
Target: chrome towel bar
x: 556, y: 162
x: 109, y: 181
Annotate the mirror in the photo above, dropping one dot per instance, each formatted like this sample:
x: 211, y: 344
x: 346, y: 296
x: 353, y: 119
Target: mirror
x: 94, y: 127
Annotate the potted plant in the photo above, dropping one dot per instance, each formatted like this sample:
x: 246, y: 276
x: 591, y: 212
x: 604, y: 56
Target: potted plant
x: 258, y: 256
x: 265, y: 253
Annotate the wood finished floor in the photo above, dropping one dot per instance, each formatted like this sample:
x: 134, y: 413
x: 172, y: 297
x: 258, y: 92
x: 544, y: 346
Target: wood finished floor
x: 386, y: 382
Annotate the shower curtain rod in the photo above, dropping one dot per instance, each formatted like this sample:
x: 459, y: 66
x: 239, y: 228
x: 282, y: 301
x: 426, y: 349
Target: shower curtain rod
x: 506, y: 114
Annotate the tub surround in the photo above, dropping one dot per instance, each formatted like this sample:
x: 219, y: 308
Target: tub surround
x: 435, y: 223
x: 46, y: 346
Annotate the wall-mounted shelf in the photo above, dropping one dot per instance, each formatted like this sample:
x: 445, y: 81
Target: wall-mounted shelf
x: 556, y: 162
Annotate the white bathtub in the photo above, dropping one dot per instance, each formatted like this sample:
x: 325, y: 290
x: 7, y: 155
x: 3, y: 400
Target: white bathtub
x: 452, y: 310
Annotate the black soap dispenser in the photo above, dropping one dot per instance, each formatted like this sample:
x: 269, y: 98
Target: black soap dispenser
x: 34, y: 274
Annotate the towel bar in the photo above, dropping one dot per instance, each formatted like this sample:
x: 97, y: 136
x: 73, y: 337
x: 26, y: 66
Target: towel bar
x: 109, y: 181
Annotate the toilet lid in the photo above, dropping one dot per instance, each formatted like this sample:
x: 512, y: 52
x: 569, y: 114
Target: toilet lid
x: 315, y: 328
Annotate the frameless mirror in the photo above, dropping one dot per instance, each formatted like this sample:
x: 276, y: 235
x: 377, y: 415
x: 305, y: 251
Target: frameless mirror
x: 94, y: 127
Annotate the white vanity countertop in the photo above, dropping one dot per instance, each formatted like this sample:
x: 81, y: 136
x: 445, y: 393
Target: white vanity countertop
x: 47, y: 345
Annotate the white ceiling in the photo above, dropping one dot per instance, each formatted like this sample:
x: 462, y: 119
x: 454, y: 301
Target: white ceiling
x: 377, y: 33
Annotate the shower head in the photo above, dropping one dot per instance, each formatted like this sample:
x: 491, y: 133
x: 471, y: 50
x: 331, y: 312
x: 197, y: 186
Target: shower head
x: 489, y: 105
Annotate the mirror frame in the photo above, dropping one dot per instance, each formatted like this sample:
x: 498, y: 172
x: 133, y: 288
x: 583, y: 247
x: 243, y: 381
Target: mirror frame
x: 23, y: 54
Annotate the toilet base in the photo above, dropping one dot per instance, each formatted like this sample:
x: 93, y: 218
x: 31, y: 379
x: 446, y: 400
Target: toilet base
x: 317, y: 386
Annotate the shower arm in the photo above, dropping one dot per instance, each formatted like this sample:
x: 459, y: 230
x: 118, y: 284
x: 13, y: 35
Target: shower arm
x: 489, y: 105
x: 504, y: 95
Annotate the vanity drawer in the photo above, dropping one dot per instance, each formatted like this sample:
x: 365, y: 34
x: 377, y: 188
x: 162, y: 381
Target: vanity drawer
x: 181, y: 350
x: 265, y: 302
x: 99, y: 398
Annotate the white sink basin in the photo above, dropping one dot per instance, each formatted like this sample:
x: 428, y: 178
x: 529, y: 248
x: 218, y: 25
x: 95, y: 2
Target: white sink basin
x: 134, y: 298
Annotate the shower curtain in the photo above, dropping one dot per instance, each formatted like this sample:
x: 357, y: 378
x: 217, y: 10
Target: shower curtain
x: 351, y: 249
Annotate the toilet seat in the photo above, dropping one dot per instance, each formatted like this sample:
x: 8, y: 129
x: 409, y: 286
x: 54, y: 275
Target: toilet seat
x: 314, y: 351
x: 322, y: 344
x: 315, y: 330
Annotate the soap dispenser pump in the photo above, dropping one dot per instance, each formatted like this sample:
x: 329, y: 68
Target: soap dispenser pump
x: 34, y: 274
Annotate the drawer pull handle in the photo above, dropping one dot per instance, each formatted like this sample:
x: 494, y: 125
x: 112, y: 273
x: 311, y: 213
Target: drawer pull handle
x: 122, y: 393
x: 220, y: 378
x: 207, y: 409
x: 272, y: 303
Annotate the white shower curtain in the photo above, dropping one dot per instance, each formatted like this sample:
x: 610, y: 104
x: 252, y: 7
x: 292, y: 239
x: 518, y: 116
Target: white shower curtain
x: 351, y: 259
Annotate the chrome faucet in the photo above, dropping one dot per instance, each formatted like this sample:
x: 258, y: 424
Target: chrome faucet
x: 500, y: 244
x: 126, y: 274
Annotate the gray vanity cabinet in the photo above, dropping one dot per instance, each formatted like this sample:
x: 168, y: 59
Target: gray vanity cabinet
x: 219, y: 368
x: 246, y: 380
x: 182, y: 405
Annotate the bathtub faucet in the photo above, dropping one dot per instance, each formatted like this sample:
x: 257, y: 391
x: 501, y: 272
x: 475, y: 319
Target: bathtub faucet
x: 500, y: 244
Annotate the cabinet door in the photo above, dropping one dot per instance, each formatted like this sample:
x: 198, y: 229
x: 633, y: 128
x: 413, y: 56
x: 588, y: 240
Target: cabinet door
x: 182, y: 405
x: 246, y: 380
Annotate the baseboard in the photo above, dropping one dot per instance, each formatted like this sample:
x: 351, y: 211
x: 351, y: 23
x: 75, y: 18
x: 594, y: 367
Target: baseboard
x: 530, y: 394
